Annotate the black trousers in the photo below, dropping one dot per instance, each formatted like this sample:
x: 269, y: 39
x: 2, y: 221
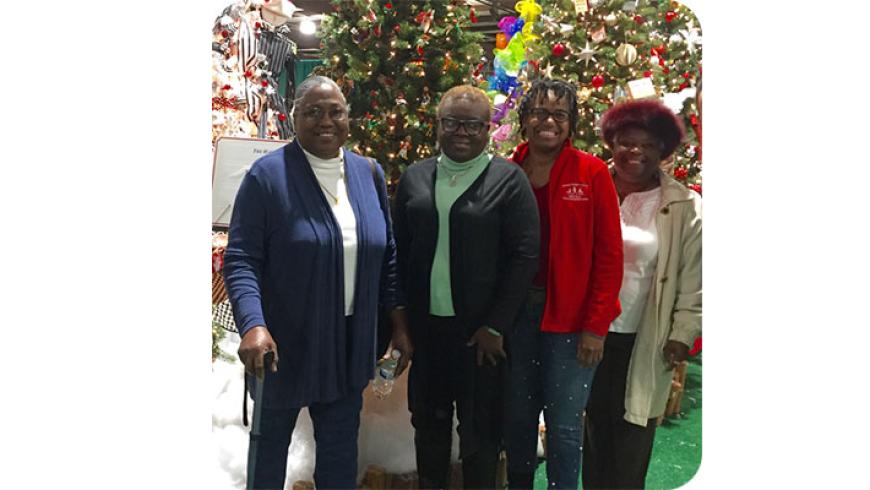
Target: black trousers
x: 440, y: 377
x: 616, y: 453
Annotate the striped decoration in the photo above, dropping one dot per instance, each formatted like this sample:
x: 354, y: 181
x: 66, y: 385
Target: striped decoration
x: 279, y: 105
x: 248, y: 45
x: 277, y: 49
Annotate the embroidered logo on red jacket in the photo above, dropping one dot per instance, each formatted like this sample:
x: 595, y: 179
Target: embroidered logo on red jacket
x: 575, y: 192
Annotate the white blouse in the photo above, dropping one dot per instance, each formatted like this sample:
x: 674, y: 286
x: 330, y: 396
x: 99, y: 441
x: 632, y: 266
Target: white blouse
x: 640, y: 245
x: 330, y: 175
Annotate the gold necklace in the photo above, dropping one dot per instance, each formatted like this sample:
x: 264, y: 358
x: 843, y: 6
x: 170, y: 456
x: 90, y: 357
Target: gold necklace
x: 343, y: 178
x: 454, y: 176
x: 333, y: 196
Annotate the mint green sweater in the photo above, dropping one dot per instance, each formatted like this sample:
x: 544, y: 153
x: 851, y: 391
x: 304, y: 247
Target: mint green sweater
x: 451, y: 180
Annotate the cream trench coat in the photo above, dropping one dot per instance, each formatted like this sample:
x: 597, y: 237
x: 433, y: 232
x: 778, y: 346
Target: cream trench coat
x: 673, y: 308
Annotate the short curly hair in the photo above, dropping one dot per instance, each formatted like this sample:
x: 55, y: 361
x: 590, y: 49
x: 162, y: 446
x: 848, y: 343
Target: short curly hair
x: 647, y: 114
x: 540, y: 88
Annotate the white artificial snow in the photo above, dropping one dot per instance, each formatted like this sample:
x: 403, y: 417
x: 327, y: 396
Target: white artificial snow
x: 386, y: 437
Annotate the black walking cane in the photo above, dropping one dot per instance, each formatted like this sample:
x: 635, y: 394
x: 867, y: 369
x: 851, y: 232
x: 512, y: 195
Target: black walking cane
x: 258, y: 413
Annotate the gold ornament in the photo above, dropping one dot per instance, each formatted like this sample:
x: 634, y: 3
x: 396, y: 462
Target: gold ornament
x: 610, y: 20
x: 584, y: 94
x: 626, y: 54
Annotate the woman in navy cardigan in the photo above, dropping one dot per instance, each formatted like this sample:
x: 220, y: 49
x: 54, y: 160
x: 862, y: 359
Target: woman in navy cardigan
x: 310, y: 255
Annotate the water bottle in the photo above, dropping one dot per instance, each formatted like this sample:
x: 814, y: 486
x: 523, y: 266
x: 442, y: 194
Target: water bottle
x: 385, y: 374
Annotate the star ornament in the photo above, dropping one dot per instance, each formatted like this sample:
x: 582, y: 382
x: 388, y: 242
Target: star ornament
x: 548, y: 71
x: 587, y: 54
x: 692, y: 37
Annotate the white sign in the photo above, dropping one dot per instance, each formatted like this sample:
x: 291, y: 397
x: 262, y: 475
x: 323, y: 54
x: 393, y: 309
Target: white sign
x: 232, y: 159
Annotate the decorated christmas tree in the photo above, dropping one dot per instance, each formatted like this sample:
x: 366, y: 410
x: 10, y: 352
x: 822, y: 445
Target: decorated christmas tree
x: 393, y: 60
x: 614, y: 50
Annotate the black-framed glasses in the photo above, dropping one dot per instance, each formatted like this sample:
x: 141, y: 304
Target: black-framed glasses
x: 649, y: 145
x: 542, y: 114
x: 473, y: 127
x: 315, y: 113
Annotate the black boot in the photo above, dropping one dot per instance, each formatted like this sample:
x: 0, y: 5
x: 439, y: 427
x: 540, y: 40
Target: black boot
x: 433, y: 457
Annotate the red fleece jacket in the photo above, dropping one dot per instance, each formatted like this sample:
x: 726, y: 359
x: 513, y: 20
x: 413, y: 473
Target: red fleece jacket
x: 584, y: 271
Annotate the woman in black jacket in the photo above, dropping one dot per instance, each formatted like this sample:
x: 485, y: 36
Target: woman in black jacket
x: 467, y: 234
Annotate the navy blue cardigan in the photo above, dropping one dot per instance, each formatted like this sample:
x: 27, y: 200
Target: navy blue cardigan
x: 283, y: 268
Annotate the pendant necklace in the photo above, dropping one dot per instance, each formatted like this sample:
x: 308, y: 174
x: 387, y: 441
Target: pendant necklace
x: 332, y: 195
x: 453, y: 176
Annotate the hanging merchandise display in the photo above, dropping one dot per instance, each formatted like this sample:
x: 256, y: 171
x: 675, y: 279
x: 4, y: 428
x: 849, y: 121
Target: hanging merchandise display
x: 248, y: 55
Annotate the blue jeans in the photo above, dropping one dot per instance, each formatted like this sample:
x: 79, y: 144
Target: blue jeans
x: 336, y: 427
x: 543, y: 373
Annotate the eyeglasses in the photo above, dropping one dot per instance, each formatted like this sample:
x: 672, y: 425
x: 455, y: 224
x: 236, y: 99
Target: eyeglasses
x: 315, y: 113
x: 642, y: 145
x: 542, y: 114
x: 473, y: 127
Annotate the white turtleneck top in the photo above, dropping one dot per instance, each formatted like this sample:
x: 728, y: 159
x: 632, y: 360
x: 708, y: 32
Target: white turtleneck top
x: 330, y: 175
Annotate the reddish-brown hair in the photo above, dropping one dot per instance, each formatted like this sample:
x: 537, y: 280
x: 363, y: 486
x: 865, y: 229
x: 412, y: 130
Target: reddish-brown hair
x: 647, y: 114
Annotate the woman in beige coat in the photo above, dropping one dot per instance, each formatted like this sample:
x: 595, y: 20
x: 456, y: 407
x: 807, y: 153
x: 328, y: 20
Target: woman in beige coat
x: 660, y: 296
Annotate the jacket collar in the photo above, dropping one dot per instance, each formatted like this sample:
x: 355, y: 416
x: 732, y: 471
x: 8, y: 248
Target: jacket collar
x: 672, y: 190
x: 522, y: 151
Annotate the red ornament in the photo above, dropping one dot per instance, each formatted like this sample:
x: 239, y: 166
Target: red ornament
x: 248, y: 74
x: 681, y: 173
x: 670, y: 15
x: 420, y: 50
x: 264, y: 83
x: 396, y: 28
x: 227, y: 87
x: 696, y: 188
x: 389, y: 5
x: 686, y: 75
x: 598, y: 81
x: 647, y: 73
x: 473, y: 17
x: 666, y: 70
x: 558, y: 50
x: 659, y: 50
x: 282, y: 117
x: 257, y: 25
x: 225, y: 33
x: 638, y: 19
x: 693, y: 119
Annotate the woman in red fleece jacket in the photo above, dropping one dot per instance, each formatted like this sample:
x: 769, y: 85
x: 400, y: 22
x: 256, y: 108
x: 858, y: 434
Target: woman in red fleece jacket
x: 558, y: 338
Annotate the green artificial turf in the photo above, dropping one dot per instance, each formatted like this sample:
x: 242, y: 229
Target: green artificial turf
x: 677, y: 448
